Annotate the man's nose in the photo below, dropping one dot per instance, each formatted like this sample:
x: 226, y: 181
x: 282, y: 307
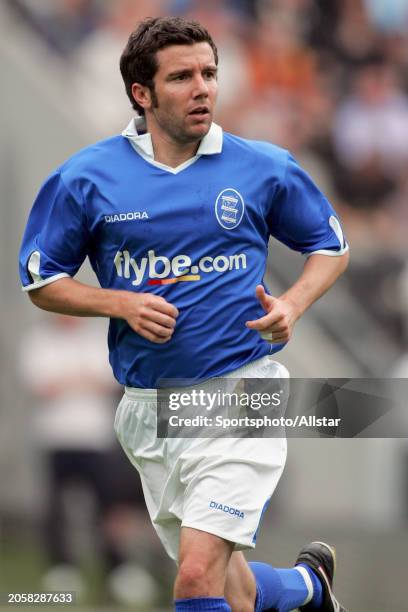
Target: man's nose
x: 200, y: 87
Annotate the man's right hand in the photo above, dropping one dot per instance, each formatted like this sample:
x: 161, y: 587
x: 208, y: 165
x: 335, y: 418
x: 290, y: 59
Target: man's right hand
x: 150, y: 316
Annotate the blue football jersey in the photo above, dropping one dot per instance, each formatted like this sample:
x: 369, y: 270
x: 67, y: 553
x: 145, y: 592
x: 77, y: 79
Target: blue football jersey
x: 196, y: 235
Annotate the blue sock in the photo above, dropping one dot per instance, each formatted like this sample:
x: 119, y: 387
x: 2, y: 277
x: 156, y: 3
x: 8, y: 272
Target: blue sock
x: 216, y: 604
x: 284, y: 589
x: 317, y: 599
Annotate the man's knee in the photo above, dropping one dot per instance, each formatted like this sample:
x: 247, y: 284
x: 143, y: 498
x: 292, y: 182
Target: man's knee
x: 193, y: 579
x: 203, y: 565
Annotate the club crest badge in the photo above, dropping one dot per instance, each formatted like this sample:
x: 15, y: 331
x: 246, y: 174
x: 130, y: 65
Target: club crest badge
x: 229, y: 208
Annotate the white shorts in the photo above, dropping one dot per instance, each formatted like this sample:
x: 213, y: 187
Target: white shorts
x: 218, y: 485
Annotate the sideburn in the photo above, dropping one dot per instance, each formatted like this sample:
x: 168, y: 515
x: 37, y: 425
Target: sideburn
x: 155, y: 101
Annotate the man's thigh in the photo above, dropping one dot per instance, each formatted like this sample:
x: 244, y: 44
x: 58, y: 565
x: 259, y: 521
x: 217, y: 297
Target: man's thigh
x: 220, y: 486
x: 228, y: 484
x: 135, y: 427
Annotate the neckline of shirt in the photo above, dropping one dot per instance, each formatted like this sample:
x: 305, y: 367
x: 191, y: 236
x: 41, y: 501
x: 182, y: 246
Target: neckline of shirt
x: 141, y: 142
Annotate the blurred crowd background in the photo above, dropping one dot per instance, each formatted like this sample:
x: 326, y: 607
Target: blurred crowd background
x: 326, y: 79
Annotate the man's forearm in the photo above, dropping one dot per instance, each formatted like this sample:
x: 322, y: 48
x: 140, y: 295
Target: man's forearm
x: 149, y: 315
x: 69, y: 296
x: 320, y: 272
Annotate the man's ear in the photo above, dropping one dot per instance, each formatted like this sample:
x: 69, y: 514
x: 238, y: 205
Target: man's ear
x: 142, y: 95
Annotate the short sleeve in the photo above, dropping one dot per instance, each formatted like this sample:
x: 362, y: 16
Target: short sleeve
x: 56, y: 238
x: 301, y: 217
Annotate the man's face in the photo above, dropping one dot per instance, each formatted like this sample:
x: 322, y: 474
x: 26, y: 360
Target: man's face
x: 185, y: 90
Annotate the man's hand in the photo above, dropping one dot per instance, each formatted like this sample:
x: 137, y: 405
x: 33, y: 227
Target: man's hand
x: 318, y: 275
x: 277, y: 325
x: 150, y: 316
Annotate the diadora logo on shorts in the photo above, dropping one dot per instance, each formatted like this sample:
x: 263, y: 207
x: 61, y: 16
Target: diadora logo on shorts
x: 229, y: 208
x: 136, y: 215
x: 161, y: 270
x: 227, y: 509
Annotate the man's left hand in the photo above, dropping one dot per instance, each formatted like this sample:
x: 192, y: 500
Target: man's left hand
x: 278, y: 323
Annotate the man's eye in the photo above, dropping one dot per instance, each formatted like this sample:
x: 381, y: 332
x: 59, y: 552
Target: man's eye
x: 180, y: 77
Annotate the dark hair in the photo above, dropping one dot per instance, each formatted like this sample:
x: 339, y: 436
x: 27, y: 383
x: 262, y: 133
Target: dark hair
x: 138, y: 63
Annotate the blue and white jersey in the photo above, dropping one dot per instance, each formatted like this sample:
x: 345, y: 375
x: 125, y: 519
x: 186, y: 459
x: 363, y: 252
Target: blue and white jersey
x: 196, y: 235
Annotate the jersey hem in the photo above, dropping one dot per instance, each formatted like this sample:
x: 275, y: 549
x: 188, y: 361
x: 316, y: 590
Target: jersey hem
x: 46, y: 281
x: 269, y: 350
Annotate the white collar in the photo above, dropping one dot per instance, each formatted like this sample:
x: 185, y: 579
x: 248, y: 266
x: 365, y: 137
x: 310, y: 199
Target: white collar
x: 142, y: 143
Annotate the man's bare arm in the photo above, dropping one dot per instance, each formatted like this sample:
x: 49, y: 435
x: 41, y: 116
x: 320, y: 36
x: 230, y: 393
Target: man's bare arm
x: 149, y: 315
x: 320, y: 272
